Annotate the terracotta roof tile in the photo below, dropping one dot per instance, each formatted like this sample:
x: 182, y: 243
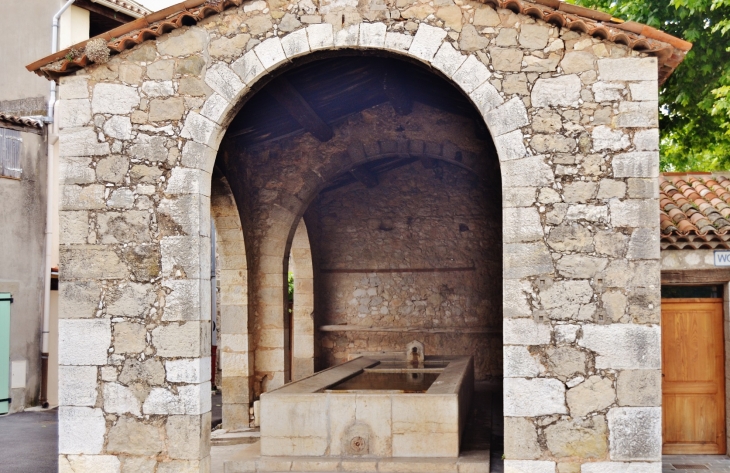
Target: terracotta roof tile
x: 694, y: 211
x: 29, y: 125
x: 133, y: 33
x: 669, y: 50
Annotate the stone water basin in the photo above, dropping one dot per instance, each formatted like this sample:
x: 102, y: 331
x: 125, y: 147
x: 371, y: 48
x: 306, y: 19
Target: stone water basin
x: 368, y: 407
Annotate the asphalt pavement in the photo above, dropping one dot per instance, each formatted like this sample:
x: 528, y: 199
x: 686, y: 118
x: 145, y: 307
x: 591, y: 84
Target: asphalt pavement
x: 29, y: 442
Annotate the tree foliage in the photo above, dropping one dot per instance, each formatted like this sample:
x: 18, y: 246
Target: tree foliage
x: 695, y: 101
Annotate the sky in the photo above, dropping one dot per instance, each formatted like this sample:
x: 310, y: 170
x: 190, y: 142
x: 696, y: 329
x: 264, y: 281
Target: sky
x: 156, y: 5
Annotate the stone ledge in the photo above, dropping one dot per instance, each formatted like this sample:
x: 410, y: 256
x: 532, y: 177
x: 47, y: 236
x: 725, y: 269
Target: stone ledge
x: 467, y: 462
x: 222, y: 437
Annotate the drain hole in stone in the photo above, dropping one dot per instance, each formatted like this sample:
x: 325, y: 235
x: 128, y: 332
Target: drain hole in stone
x: 358, y: 445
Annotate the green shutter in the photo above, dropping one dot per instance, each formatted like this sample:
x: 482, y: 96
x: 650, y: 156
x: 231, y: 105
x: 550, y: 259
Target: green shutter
x: 5, y: 300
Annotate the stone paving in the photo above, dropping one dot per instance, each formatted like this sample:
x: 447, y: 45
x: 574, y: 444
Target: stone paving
x: 28, y: 444
x: 698, y: 463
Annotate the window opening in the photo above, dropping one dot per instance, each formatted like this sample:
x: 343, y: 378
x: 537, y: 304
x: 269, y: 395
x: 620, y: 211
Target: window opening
x: 10, y: 145
x: 683, y: 292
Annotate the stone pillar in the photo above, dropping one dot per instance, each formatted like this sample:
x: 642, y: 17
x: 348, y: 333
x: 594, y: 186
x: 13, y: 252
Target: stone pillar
x: 268, y: 296
x: 234, y: 343
x: 134, y: 322
x: 582, y: 275
x: 301, y: 265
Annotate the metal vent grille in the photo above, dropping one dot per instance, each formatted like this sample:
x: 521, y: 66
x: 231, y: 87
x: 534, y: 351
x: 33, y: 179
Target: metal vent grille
x: 10, y: 146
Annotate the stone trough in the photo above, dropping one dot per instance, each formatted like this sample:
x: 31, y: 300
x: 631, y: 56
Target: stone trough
x: 322, y: 416
x: 370, y: 412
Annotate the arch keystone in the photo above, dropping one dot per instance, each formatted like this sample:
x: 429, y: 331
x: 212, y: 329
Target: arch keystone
x: 372, y: 35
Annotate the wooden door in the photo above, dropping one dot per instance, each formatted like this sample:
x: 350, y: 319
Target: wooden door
x: 693, y: 376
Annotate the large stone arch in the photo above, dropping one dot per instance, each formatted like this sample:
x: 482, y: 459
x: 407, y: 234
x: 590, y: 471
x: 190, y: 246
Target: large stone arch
x: 578, y: 220
x: 232, y: 83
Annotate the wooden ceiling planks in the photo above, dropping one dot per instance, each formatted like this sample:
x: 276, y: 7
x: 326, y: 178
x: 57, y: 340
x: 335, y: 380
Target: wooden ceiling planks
x: 335, y: 88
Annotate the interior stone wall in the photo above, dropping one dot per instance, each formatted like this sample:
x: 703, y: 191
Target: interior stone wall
x: 575, y: 125
x: 416, y: 218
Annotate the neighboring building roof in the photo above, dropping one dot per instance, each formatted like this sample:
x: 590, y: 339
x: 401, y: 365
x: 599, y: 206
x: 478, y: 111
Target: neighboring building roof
x: 28, y: 125
x: 695, y: 210
x: 668, y: 49
x: 130, y: 7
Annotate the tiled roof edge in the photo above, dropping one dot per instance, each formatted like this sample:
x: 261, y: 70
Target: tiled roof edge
x: 669, y: 49
x: 21, y: 121
x: 131, y: 34
x: 694, y: 210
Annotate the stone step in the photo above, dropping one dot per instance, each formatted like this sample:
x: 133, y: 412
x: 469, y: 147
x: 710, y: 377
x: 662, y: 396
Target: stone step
x: 468, y: 462
x: 221, y: 438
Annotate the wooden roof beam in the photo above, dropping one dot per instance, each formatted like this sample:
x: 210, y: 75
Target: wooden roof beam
x: 365, y: 176
x: 106, y: 12
x: 397, y: 92
x: 297, y: 106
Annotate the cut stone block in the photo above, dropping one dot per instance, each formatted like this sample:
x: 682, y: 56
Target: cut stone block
x: 533, y: 397
x: 635, y: 433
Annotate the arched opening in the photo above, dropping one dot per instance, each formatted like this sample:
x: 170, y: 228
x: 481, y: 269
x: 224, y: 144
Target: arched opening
x: 381, y: 177
x: 301, y: 326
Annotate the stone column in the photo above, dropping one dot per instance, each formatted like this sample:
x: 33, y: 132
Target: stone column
x: 301, y: 265
x: 234, y: 343
x: 268, y: 296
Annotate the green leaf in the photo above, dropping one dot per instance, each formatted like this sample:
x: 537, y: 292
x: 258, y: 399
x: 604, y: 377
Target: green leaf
x: 695, y: 101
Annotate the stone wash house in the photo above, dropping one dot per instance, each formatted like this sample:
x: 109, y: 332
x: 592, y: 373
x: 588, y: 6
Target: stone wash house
x: 481, y: 177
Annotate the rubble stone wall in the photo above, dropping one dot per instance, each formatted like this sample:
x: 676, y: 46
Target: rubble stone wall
x: 574, y: 121
x: 430, y: 220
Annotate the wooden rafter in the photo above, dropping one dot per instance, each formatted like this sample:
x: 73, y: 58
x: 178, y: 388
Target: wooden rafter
x: 398, y: 94
x: 297, y: 106
x: 106, y: 12
x: 365, y: 176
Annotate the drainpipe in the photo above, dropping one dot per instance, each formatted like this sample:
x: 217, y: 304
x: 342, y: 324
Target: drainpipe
x: 52, y: 138
x: 54, y: 49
